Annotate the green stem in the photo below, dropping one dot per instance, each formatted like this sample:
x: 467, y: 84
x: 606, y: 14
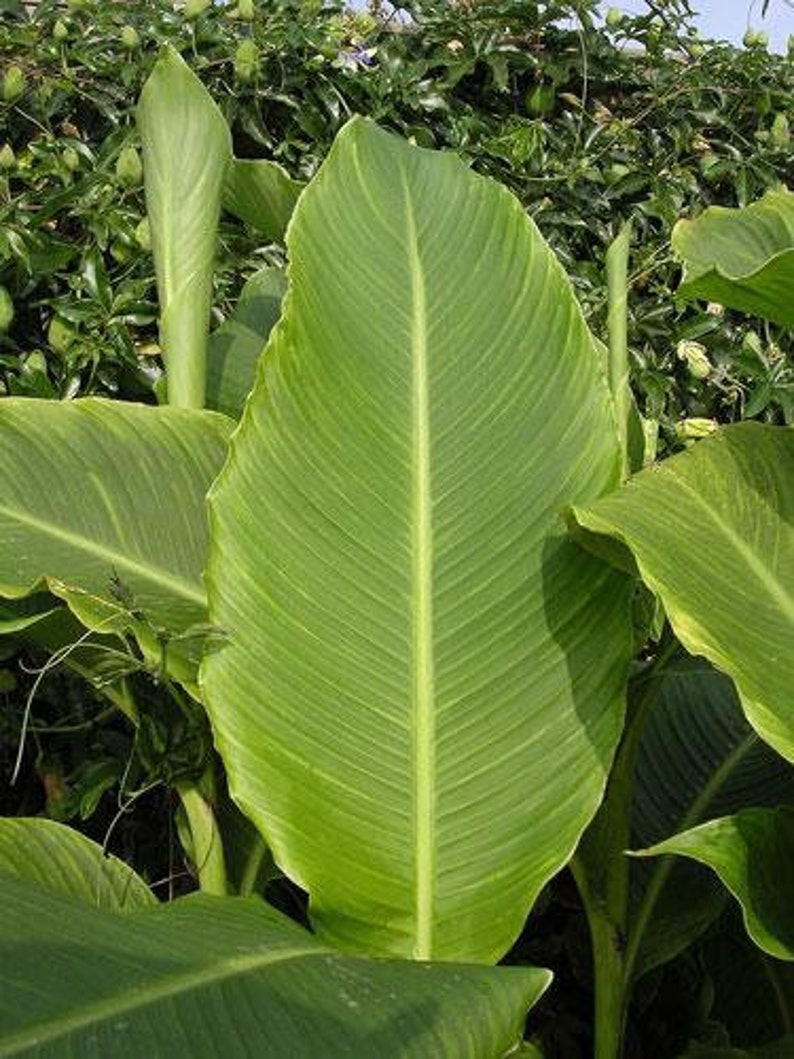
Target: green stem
x: 207, y: 843
x: 601, y: 871
x: 253, y: 863
x: 608, y: 973
x: 617, y: 261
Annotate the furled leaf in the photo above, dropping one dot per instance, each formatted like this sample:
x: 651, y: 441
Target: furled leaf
x: 262, y: 194
x: 60, y: 861
x: 423, y: 681
x: 698, y: 759
x: 742, y: 258
x: 712, y: 532
x: 206, y: 976
x: 236, y: 346
x: 187, y: 149
x: 753, y: 854
x: 103, y: 501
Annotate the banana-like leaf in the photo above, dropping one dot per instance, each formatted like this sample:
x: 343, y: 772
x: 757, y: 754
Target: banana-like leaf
x: 742, y: 258
x: 104, y: 502
x: 58, y: 860
x: 206, y: 976
x: 187, y: 150
x: 698, y: 759
x: 236, y: 346
x: 753, y: 854
x: 712, y: 532
x: 753, y: 992
x: 16, y: 615
x: 782, y: 1049
x: 262, y: 194
x: 423, y: 682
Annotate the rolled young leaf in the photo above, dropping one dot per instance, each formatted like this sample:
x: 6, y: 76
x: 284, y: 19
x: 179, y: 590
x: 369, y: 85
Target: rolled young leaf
x: 231, y: 976
x: 423, y: 681
x: 742, y: 258
x: 187, y: 149
x: 712, y: 533
x: 753, y: 854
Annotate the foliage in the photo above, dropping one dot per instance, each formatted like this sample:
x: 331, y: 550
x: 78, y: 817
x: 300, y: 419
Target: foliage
x: 577, y: 126
x: 355, y: 588
x: 218, y: 975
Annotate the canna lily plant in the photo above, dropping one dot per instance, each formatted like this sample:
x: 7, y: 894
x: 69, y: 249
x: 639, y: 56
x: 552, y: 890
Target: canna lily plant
x: 395, y: 559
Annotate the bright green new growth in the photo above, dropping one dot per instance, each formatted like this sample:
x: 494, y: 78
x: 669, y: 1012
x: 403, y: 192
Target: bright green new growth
x: 422, y: 684
x: 187, y: 150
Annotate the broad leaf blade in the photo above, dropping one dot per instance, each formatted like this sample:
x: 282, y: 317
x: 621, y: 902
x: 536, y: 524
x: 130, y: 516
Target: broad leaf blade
x: 423, y: 682
x: 698, y: 759
x: 187, y: 149
x: 230, y: 976
x: 16, y: 615
x: 742, y: 258
x: 753, y: 992
x: 753, y: 854
x: 104, y: 501
x: 60, y: 861
x: 236, y: 346
x: 712, y: 532
x: 262, y: 194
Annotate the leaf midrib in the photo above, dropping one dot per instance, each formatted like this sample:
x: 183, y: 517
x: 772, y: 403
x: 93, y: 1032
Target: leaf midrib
x: 422, y: 600
x: 116, y: 559
x: 131, y: 998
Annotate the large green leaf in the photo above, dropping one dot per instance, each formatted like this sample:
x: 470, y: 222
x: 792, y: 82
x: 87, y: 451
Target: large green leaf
x: 742, y: 258
x: 753, y: 993
x: 753, y: 854
x: 262, y: 194
x: 187, y: 150
x: 60, y: 861
x: 698, y: 759
x: 104, y: 502
x: 17, y: 615
x: 236, y: 346
x: 712, y: 532
x: 423, y: 681
x: 206, y: 977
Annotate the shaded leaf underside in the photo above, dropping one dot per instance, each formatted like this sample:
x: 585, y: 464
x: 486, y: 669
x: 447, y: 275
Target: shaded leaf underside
x: 230, y: 976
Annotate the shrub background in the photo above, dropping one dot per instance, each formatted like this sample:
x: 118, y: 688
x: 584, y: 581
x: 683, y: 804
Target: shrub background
x: 587, y: 132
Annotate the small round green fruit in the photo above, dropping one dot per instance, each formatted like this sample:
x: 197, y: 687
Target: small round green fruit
x: 6, y: 311
x: 61, y: 335
x: 614, y: 17
x: 13, y: 84
x: 129, y: 170
x: 246, y: 62
x: 129, y: 38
